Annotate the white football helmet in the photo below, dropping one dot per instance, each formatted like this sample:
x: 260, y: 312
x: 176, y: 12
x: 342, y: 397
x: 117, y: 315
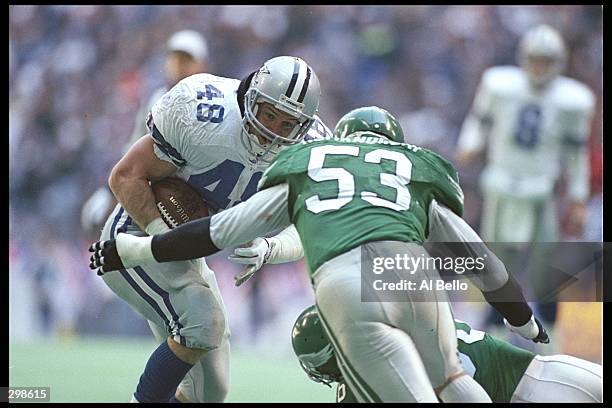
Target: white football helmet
x: 290, y: 85
x: 542, y: 41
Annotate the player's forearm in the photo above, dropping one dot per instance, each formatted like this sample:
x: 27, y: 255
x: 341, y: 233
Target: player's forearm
x: 136, y: 197
x: 191, y: 240
x: 578, y: 176
x: 262, y: 213
x: 471, y: 141
x: 510, y: 303
x: 498, y: 287
x: 195, y: 239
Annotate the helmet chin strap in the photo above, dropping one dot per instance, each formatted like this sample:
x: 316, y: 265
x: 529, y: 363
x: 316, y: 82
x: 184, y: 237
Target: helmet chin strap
x: 251, y: 144
x: 318, y: 377
x: 251, y: 141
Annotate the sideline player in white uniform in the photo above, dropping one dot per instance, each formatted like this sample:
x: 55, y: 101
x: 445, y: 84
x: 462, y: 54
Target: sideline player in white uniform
x: 533, y: 122
x: 187, y: 54
x: 219, y: 134
x: 334, y: 230
x: 508, y: 373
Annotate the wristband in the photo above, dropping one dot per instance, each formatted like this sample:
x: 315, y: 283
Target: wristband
x: 133, y: 250
x: 529, y: 330
x: 157, y: 226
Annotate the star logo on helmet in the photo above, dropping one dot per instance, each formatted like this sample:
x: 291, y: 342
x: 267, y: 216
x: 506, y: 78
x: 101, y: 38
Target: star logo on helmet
x: 264, y: 70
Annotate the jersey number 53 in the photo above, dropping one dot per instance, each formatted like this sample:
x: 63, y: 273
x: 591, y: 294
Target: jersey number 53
x: 346, y: 181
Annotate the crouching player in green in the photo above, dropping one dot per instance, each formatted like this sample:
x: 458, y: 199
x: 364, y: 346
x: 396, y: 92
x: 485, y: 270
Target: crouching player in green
x: 363, y: 193
x: 506, y: 372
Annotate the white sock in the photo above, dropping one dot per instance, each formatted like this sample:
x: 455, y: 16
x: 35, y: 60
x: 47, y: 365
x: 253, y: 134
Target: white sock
x: 464, y: 389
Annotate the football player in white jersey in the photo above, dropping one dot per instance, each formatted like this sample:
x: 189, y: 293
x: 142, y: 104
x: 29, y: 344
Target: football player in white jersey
x: 219, y: 134
x: 187, y: 54
x: 533, y: 123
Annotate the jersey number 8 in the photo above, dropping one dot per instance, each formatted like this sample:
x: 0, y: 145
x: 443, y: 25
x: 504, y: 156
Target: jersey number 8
x: 528, y: 126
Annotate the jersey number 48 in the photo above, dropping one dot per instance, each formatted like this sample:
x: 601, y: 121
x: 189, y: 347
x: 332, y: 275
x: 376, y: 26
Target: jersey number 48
x: 207, y: 112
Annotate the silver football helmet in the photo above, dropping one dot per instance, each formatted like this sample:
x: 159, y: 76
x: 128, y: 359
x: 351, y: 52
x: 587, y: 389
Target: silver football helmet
x: 291, y: 86
x: 542, y: 41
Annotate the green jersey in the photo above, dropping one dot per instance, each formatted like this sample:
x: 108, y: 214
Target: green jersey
x: 496, y: 365
x: 362, y: 188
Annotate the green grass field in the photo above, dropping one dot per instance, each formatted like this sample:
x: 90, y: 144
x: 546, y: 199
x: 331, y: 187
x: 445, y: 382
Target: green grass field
x: 107, y: 370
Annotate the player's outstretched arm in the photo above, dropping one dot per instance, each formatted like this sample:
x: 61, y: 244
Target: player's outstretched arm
x: 262, y: 213
x: 498, y: 287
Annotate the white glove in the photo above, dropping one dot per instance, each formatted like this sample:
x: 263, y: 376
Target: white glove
x: 254, y: 256
x: 95, y: 210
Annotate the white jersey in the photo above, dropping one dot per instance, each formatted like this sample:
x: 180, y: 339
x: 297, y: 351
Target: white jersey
x: 197, y: 126
x: 529, y: 132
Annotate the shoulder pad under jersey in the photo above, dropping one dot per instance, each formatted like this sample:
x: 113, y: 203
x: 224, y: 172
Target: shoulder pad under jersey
x: 571, y: 94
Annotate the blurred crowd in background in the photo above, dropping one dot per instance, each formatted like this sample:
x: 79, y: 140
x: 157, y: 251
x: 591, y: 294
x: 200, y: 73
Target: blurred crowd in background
x: 78, y: 74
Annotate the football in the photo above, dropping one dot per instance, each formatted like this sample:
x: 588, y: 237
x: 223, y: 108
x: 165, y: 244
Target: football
x: 178, y: 201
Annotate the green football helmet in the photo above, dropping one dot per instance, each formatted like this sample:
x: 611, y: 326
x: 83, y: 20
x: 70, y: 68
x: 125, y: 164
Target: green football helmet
x: 370, y: 119
x: 313, y: 349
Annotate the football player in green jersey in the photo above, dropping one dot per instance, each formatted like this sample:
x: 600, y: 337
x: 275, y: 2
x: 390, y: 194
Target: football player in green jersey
x: 508, y: 373
x: 363, y: 194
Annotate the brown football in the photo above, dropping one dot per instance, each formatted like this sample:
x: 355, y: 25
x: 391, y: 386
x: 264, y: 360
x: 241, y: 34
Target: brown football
x: 178, y: 201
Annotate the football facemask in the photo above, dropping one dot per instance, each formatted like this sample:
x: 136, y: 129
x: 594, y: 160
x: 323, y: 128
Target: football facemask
x: 290, y: 86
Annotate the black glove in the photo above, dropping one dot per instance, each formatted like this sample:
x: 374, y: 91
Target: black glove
x: 105, y: 257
